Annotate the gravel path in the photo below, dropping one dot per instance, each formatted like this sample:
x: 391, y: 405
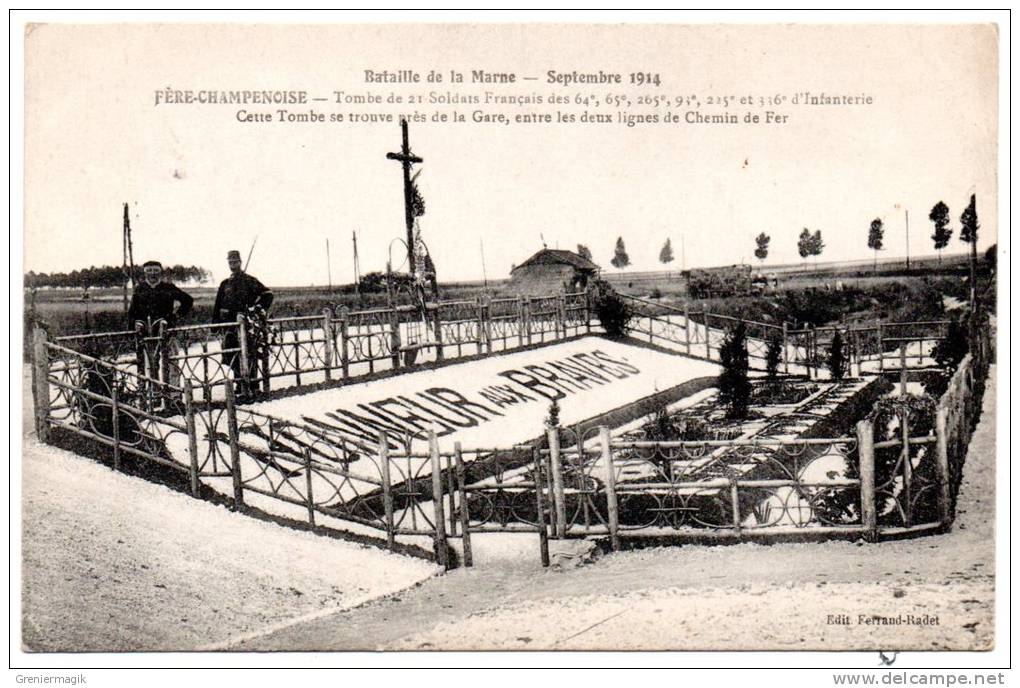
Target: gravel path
x: 746, y: 596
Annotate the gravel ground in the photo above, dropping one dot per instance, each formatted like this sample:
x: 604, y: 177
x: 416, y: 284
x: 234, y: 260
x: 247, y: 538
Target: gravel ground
x: 113, y: 563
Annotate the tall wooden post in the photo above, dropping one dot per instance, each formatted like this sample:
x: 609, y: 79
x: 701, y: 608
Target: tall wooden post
x: 908, y: 469
x: 480, y: 315
x: 866, y: 457
x: 309, y: 497
x: 942, y: 465
x: 395, y: 335
x: 189, y: 419
x: 463, y: 511
x: 543, y: 534
x: 612, y: 507
x: 556, y: 467
x: 437, y: 501
x: 344, y: 354
x: 327, y: 335
x: 235, y: 453
x: 384, y: 472
x: 41, y: 383
x: 587, y: 311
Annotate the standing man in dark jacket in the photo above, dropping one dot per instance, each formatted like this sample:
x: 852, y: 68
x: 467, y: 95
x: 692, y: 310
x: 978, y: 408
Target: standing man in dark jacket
x: 242, y: 294
x: 156, y: 305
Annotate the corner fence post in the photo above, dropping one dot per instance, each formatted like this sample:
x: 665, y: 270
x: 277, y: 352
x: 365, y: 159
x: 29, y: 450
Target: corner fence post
x: 866, y: 458
x: 384, y: 472
x: 556, y: 467
x: 543, y: 534
x: 942, y: 465
x: 235, y: 454
x: 587, y: 311
x: 189, y: 418
x: 327, y: 347
x: 612, y: 507
x: 309, y: 497
x: 344, y: 356
x: 41, y: 383
x: 437, y: 501
x: 437, y: 330
x: 458, y: 460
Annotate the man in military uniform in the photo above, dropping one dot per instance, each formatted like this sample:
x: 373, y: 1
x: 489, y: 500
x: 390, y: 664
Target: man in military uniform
x: 156, y: 305
x: 242, y: 294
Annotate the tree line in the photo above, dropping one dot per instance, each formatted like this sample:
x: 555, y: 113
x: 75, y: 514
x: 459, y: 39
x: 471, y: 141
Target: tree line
x: 810, y: 244
x: 111, y: 276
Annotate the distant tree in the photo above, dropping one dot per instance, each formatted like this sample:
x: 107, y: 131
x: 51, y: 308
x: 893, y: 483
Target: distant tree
x: 666, y: 254
x: 620, y: 258
x: 584, y: 251
x: 804, y: 243
x: 817, y: 245
x: 734, y: 385
x: 939, y: 216
x: 991, y: 254
x: 969, y: 222
x: 762, y: 251
x: 875, y: 235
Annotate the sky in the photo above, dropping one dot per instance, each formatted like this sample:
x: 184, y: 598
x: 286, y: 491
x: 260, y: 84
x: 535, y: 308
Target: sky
x: 200, y: 183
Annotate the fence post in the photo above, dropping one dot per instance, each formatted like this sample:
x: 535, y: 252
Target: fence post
x: 41, y: 383
x: 242, y: 343
x: 235, y: 454
x: 309, y: 498
x: 708, y: 339
x: 612, y: 507
x: 786, y: 349
x: 942, y: 465
x: 437, y: 331
x: 556, y: 466
x: 543, y: 535
x: 903, y: 369
x: 458, y: 460
x: 587, y: 311
x: 344, y: 356
x: 384, y: 471
x: 395, y: 335
x: 908, y: 469
x: 735, y: 505
x: 866, y: 458
x: 327, y: 334
x: 189, y: 418
x: 526, y: 320
x: 486, y: 329
x: 881, y: 348
x: 437, y: 500
x: 561, y: 317
x: 115, y: 418
x: 687, y: 328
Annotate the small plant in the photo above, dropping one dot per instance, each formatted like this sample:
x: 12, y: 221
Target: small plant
x: 553, y: 419
x: 837, y: 357
x: 773, y: 355
x: 734, y: 385
x: 950, y: 351
x: 612, y: 311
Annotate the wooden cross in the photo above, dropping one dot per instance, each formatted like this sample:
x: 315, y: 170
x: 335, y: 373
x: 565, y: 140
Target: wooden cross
x: 407, y: 159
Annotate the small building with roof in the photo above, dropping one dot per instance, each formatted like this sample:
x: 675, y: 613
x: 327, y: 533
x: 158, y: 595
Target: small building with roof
x: 552, y: 271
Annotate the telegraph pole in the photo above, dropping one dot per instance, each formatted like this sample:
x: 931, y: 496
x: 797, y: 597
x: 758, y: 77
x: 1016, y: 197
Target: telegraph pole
x: 406, y: 159
x: 357, y: 269
x: 329, y: 267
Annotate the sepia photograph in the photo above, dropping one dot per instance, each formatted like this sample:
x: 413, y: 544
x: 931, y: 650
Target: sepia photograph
x: 424, y: 338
